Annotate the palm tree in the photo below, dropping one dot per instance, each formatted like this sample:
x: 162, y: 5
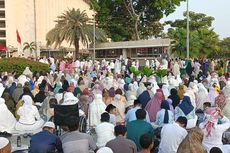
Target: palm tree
x: 31, y: 47
x: 73, y: 26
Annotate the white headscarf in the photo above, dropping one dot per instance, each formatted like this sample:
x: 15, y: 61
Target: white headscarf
x: 1, y: 89
x: 27, y: 105
x: 70, y: 99
x: 3, y: 142
x: 165, y: 89
x: 105, y: 150
x: 141, y: 89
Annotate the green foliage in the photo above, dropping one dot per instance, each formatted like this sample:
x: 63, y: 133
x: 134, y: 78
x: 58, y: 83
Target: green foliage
x: 19, y: 64
x: 147, y: 71
x: 161, y: 73
x: 74, y: 27
x: 135, y: 71
x: 224, y: 48
x: 132, y: 19
x: 179, y: 45
x: 203, y: 40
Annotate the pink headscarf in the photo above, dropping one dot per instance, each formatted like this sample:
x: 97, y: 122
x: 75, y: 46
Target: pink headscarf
x: 154, y: 105
x: 211, y: 119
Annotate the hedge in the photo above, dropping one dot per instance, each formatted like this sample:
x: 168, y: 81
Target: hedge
x: 19, y: 64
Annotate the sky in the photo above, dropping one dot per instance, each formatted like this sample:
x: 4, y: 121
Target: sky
x: 219, y: 9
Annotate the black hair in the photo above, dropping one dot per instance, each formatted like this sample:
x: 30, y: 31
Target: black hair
x: 105, y: 117
x: 120, y: 130
x: 207, y: 104
x: 110, y: 107
x: 140, y: 114
x: 182, y: 120
x: 215, y: 150
x: 74, y: 126
x: 118, y: 91
x: 52, y: 102
x: 145, y: 141
x: 136, y: 102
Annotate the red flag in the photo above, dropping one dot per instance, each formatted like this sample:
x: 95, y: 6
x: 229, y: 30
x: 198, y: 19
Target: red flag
x: 2, y: 47
x: 18, y: 37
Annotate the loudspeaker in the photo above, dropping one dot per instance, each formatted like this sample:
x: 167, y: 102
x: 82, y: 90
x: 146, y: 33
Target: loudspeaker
x: 65, y: 115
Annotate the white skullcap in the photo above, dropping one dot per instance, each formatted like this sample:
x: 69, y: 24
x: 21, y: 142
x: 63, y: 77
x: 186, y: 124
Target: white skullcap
x: 105, y: 150
x: 49, y: 124
x: 3, y: 142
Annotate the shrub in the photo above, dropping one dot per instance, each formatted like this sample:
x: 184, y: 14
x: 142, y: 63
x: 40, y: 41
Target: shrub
x: 19, y: 64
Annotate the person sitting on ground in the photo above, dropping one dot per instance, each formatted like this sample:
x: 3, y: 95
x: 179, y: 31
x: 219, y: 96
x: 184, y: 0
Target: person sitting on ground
x: 104, y: 131
x: 120, y: 144
x: 165, y: 115
x: 7, y: 120
x: 76, y: 142
x: 186, y: 109
x: 192, y: 142
x: 212, y: 130
x: 131, y: 116
x: 146, y: 143
x: 46, y: 140
x: 5, y: 146
x: 112, y: 110
x: 172, y: 135
x: 139, y: 127
x: 29, y: 117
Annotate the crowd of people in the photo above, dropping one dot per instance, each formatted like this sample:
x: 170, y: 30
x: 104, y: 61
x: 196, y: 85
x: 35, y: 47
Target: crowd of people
x: 186, y: 111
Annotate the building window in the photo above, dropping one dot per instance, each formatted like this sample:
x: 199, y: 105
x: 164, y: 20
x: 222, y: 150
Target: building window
x: 2, y: 4
x: 2, y: 33
x: 146, y: 52
x: 2, y: 14
x: 113, y: 53
x: 2, y: 24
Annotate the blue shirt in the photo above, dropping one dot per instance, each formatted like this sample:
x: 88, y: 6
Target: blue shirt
x: 131, y: 115
x: 45, y: 142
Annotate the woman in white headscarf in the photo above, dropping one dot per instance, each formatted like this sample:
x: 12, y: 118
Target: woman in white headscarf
x: 141, y: 89
x: 201, y: 96
x: 226, y: 91
x: 130, y: 92
x: 121, y: 103
x: 7, y: 120
x: 96, y: 108
x: 165, y: 89
x: 29, y: 116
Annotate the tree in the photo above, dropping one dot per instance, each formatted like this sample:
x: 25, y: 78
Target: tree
x: 203, y: 40
x: 32, y: 47
x: 132, y: 19
x: 74, y: 27
x: 224, y: 47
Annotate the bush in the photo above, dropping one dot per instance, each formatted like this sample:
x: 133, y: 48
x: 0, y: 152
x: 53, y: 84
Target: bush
x: 19, y: 64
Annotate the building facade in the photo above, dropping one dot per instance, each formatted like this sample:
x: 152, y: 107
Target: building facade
x: 137, y: 50
x: 33, y: 19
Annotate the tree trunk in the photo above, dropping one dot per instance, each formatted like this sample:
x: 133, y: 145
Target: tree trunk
x: 136, y: 29
x: 76, y: 54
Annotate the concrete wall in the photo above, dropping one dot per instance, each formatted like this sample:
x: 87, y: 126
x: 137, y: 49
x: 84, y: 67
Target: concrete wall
x: 22, y: 15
